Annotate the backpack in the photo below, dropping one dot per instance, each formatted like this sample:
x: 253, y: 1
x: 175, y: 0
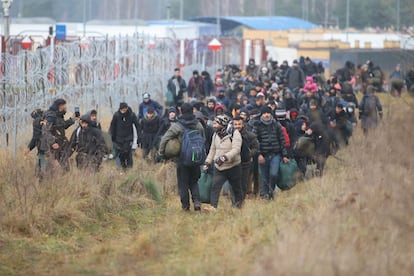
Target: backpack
x: 193, y: 147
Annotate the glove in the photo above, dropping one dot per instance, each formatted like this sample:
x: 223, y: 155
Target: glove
x: 159, y: 157
x: 380, y: 115
x: 220, y: 161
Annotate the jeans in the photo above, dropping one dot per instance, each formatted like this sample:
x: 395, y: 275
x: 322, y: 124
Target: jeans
x: 187, y: 178
x: 233, y: 175
x: 269, y: 172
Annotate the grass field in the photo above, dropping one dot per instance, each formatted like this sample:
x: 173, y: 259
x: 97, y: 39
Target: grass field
x: 356, y: 220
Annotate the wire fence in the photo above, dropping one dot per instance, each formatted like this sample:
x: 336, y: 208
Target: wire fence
x: 91, y: 74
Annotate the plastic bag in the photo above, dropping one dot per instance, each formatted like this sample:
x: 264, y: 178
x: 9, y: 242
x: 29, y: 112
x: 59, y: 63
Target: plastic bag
x: 204, y: 186
x: 288, y: 174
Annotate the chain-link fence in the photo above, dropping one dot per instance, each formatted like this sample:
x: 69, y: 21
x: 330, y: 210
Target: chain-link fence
x: 91, y: 74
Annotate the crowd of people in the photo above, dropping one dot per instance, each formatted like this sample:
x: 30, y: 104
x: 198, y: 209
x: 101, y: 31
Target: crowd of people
x: 238, y: 126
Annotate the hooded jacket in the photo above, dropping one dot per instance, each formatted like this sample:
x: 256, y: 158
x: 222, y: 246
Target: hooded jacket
x: 89, y: 141
x: 143, y: 108
x: 176, y: 130
x: 57, y: 124
x: 121, y: 128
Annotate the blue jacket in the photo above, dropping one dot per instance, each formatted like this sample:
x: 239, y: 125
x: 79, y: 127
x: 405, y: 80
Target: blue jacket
x: 143, y: 108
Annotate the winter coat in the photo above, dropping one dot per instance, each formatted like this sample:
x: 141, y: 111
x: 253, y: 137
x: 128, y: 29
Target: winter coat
x: 252, y: 141
x: 196, y: 88
x: 176, y: 130
x: 89, y: 141
x: 252, y: 70
x: 321, y: 139
x: 228, y: 146
x: 310, y: 69
x: 270, y: 137
x: 317, y: 116
x: 121, y: 129
x: 57, y: 125
x: 149, y: 128
x: 369, y: 108
x: 143, y: 108
x: 177, y: 86
x: 295, y: 78
x: 208, y: 87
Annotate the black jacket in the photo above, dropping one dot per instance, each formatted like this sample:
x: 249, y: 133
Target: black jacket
x: 252, y: 140
x: 88, y: 140
x: 57, y: 125
x: 121, y: 128
x: 270, y: 137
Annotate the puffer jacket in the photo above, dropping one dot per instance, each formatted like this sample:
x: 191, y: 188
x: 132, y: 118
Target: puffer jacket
x: 270, y: 137
x: 229, y: 146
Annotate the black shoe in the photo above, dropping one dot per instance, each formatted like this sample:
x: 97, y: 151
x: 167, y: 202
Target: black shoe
x: 186, y: 209
x: 197, y: 208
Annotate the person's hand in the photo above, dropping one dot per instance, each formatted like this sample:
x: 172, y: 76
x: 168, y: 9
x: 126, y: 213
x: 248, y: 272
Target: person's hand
x: 159, y: 157
x: 205, y: 168
x: 286, y: 160
x: 55, y: 146
x: 262, y: 160
x: 220, y: 161
x: 26, y: 152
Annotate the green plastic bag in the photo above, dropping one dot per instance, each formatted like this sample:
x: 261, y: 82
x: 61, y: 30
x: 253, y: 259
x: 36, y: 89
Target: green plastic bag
x: 287, y: 177
x: 204, y: 187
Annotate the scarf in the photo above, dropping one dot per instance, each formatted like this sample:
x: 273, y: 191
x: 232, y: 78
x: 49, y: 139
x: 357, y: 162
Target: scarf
x: 266, y: 122
x: 222, y: 132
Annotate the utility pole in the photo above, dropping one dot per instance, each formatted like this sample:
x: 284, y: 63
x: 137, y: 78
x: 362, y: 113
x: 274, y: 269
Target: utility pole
x: 218, y: 23
x: 6, y: 16
x: 347, y: 14
x: 168, y: 10
x: 398, y: 15
x: 326, y: 14
x: 181, y: 10
x: 84, y: 18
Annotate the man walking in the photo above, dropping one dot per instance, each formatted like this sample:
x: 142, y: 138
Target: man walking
x: 122, y: 133
x: 177, y: 86
x: 271, y: 151
x: 187, y: 176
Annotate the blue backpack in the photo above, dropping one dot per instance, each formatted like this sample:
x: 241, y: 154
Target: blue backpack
x: 193, y: 147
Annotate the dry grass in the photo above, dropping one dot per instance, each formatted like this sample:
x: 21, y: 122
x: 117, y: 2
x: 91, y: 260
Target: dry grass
x: 358, y: 219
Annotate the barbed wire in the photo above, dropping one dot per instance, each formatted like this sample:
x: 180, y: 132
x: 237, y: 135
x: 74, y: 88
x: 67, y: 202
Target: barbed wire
x: 93, y: 74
